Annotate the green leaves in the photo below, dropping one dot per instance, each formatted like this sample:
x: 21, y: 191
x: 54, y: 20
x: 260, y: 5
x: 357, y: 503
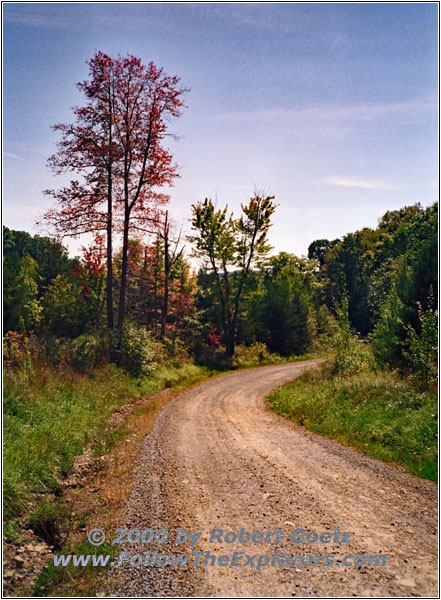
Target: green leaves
x: 215, y: 232
x: 231, y: 244
x: 349, y: 356
x: 423, y: 347
x: 21, y: 297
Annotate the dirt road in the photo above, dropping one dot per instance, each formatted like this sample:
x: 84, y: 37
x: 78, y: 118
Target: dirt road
x: 218, y: 459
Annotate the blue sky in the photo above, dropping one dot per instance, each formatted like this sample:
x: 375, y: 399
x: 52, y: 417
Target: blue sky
x: 332, y: 108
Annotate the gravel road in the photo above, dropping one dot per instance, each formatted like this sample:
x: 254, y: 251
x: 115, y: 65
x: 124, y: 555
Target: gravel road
x: 217, y: 458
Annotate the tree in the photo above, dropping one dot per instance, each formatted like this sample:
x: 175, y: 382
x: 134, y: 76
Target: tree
x: 230, y: 248
x: 172, y: 253
x: 52, y: 258
x: 318, y: 248
x: 87, y: 148
x: 412, y: 293
x: 22, y: 309
x: 347, y: 268
x: 116, y: 145
x: 287, y: 303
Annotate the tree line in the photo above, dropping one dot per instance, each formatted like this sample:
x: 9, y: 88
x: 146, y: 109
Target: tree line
x: 240, y: 294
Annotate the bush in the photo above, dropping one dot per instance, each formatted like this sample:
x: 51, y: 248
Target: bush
x: 137, y: 351
x: 423, y: 348
x: 349, y: 354
x: 16, y: 350
x: 88, y: 351
x: 213, y: 358
x: 255, y: 354
x: 387, y: 337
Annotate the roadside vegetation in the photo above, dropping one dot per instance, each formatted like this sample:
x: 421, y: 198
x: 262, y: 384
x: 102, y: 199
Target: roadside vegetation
x: 62, y: 383
x: 51, y: 414
x: 376, y: 412
x: 54, y: 411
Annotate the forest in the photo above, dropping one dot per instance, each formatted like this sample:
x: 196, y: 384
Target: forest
x: 144, y: 307
x: 384, y: 280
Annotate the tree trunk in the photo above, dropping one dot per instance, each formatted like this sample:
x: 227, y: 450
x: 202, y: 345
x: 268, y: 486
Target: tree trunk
x: 124, y: 261
x: 231, y: 346
x: 109, y: 279
x: 165, y: 297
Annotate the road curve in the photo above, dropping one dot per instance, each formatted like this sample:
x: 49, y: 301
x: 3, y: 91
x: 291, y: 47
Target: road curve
x: 218, y: 458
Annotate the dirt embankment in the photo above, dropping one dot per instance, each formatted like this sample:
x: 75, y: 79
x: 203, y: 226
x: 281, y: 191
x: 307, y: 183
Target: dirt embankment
x: 218, y: 459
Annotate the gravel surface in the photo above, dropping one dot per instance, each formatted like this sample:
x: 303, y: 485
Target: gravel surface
x: 218, y: 459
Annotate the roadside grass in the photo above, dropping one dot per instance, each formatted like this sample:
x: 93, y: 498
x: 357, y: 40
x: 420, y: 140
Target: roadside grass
x: 52, y: 414
x: 55, y: 577
x: 378, y: 413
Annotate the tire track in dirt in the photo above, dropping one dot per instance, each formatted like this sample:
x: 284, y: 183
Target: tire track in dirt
x: 217, y: 458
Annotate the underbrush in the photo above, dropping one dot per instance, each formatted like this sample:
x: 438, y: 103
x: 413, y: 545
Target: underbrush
x: 258, y: 355
x: 254, y: 355
x: 377, y: 412
x: 51, y: 414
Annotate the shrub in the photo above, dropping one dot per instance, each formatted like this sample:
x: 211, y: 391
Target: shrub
x: 386, y: 338
x: 137, y: 352
x: 349, y: 355
x: 16, y: 350
x: 88, y: 351
x: 255, y: 354
x: 423, y: 348
x: 212, y: 357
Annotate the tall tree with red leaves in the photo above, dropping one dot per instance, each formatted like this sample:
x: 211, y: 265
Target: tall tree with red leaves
x: 116, y: 145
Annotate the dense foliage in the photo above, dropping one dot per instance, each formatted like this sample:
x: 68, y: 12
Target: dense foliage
x: 380, y: 284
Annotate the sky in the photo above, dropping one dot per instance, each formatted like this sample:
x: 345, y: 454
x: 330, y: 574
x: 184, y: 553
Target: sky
x: 330, y: 107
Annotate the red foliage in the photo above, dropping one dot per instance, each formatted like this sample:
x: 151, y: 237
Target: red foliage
x: 116, y: 146
x: 213, y: 338
x: 95, y: 255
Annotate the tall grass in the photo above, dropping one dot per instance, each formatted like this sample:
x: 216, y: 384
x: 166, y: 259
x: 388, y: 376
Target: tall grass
x: 378, y: 413
x: 52, y: 414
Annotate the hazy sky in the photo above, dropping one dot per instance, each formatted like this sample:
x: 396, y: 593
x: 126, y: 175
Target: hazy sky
x: 332, y: 108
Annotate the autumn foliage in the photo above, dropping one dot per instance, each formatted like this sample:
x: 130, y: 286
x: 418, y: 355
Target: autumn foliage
x: 116, y: 149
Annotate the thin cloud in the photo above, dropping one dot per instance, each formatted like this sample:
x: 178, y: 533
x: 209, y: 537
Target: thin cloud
x: 362, y: 184
x: 410, y: 109
x: 37, y: 20
x: 67, y: 17
x: 256, y: 16
x: 11, y: 155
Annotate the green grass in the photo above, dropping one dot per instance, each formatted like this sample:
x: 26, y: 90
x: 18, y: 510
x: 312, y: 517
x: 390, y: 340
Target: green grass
x: 53, y: 576
x: 51, y: 415
x: 377, y: 413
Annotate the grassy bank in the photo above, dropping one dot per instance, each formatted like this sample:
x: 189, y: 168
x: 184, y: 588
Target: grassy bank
x: 377, y: 413
x: 52, y: 414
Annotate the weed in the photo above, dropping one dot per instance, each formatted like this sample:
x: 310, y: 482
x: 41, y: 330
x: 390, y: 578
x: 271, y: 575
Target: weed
x: 54, y: 576
x: 378, y: 413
